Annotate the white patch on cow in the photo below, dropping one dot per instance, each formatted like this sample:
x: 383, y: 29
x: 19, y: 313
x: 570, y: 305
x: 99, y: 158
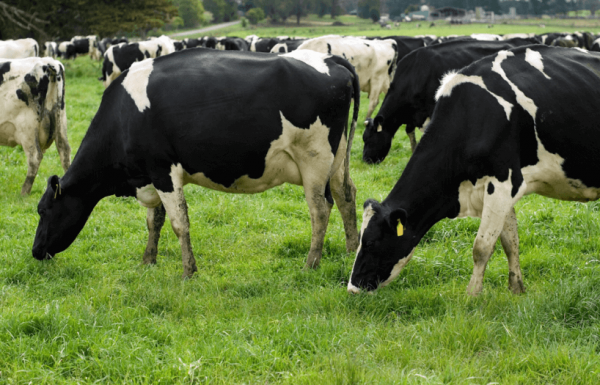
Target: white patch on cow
x: 136, y: 83
x: 294, y: 150
x: 471, y: 197
x: 525, y: 102
x: 147, y: 196
x: 397, y: 269
x: 312, y: 58
x: 535, y: 59
x: 581, y: 49
x: 453, y: 79
x: 367, y: 215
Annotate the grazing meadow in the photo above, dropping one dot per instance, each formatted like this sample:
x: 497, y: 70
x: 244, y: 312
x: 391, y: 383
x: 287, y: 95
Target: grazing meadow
x: 252, y: 315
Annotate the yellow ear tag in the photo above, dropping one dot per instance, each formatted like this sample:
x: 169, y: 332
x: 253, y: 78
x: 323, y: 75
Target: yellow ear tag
x: 400, y: 229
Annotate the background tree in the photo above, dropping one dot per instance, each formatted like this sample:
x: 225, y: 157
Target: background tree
x: 191, y: 11
x: 222, y: 10
x: 300, y: 8
x: 366, y: 8
x: 255, y: 15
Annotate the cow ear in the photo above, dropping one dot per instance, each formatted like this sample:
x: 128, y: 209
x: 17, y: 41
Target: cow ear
x: 54, y: 184
x: 397, y: 221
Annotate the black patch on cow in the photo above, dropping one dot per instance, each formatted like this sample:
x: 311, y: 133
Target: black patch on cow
x: 158, y: 51
x: 517, y: 180
x: 22, y: 96
x: 147, y: 54
x: 35, y: 50
x: 62, y: 78
x: 125, y: 56
x: 4, y: 68
x: 281, y: 50
x: 367, y: 45
x: 329, y: 48
x: 490, y: 189
x: 82, y: 46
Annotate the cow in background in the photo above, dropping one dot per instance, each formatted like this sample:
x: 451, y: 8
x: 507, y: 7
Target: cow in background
x: 374, y: 60
x: 19, y: 49
x: 32, y: 112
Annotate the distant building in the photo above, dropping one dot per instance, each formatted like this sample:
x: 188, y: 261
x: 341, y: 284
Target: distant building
x: 417, y: 15
x: 446, y: 12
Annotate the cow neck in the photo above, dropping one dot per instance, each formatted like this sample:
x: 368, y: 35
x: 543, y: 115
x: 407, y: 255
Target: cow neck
x: 95, y: 172
x: 428, y: 187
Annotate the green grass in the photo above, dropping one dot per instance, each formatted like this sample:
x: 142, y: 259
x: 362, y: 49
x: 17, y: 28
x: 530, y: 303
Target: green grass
x: 251, y: 315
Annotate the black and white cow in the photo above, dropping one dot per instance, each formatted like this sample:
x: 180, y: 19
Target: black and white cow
x: 32, y: 112
x: 374, y: 61
x: 120, y: 57
x: 19, y: 49
x: 51, y: 49
x: 406, y: 44
x: 232, y: 44
x: 287, y: 46
x: 501, y: 129
x: 192, y: 43
x: 263, y: 45
x: 583, y: 40
x: 167, y: 122
x: 81, y: 45
x: 411, y: 98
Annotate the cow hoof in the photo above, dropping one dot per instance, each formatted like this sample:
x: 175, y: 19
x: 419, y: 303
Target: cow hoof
x: 517, y: 289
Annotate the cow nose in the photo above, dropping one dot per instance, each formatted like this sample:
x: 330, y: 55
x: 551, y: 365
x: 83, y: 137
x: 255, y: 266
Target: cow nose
x: 353, y: 289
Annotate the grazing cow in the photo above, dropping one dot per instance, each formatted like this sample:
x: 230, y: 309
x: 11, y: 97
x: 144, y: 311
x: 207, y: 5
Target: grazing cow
x: 83, y: 45
x: 287, y: 46
x: 501, y: 129
x: 120, y: 57
x: 167, y: 122
x: 19, y: 49
x: 51, y: 49
x: 596, y: 45
x: 578, y: 39
x: 32, y: 112
x: 233, y: 44
x: 374, y: 61
x: 486, y: 37
x: 263, y: 45
x: 66, y: 50
x: 411, y: 99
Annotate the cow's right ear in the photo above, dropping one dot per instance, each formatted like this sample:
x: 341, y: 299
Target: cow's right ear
x: 397, y: 221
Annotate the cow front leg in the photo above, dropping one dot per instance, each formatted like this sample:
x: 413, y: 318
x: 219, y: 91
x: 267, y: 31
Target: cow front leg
x: 346, y: 206
x: 510, y: 243
x: 34, y: 158
x: 495, y: 210
x: 373, y: 100
x: 319, y: 210
x: 176, y: 208
x: 410, y: 131
x: 155, y: 219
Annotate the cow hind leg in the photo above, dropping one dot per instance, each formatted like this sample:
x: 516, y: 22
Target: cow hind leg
x: 496, y: 208
x: 510, y: 243
x: 155, y: 219
x: 34, y: 158
x: 176, y: 208
x: 347, y: 207
x: 410, y: 131
x: 62, y: 143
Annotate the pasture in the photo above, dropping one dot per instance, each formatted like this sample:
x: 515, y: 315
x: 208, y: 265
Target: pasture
x: 251, y: 315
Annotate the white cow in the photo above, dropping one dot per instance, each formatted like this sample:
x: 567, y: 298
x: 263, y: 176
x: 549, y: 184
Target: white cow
x: 373, y: 60
x: 51, y: 49
x: 32, y: 112
x: 18, y: 49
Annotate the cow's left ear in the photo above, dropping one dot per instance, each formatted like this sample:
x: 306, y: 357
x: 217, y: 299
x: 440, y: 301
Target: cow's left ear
x: 397, y: 221
x: 54, y: 184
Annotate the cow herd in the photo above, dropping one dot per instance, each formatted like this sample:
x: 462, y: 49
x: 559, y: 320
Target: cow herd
x: 503, y: 116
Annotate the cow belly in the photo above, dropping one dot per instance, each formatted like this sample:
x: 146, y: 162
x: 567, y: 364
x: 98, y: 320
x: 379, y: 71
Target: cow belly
x: 552, y: 182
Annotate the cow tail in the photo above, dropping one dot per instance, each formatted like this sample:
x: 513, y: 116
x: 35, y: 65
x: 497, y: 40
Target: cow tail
x: 356, y: 95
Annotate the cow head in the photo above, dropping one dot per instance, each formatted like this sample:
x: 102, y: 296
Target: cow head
x: 386, y: 246
x: 377, y: 141
x: 62, y: 216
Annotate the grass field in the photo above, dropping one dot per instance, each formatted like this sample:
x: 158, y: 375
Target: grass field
x: 251, y: 315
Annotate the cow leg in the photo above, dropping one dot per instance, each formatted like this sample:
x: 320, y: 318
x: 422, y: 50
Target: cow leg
x: 319, y: 210
x: 62, y: 143
x: 176, y: 207
x: 373, y: 101
x: 410, y: 131
x: 347, y: 207
x: 155, y: 219
x: 495, y: 210
x: 34, y: 158
x: 510, y: 243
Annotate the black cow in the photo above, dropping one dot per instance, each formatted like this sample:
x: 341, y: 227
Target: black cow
x: 500, y: 130
x: 411, y: 98
x: 233, y: 44
x: 157, y: 130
